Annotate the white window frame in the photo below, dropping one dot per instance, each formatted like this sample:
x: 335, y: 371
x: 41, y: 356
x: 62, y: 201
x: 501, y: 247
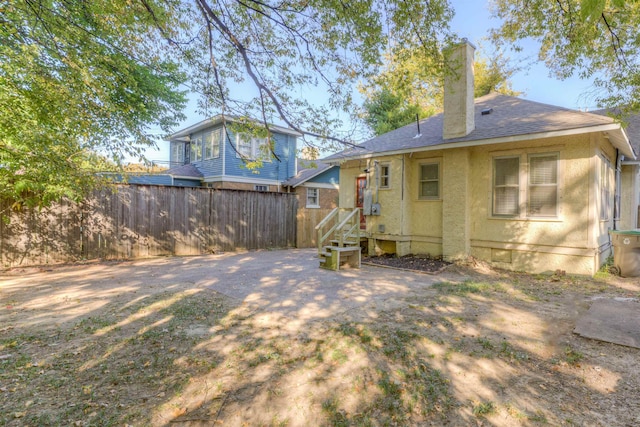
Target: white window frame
x: 532, y: 185
x: 313, y: 194
x: 495, y: 211
x: 525, y: 186
x: 196, y: 149
x: 604, y: 183
x: 250, y: 147
x: 385, y: 179
x: 260, y: 187
x: 211, y: 144
x: 422, y: 180
x: 177, y: 152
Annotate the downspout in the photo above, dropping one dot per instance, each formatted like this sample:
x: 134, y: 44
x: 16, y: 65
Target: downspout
x: 616, y: 191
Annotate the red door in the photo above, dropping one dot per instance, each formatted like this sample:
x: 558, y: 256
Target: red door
x: 361, y: 184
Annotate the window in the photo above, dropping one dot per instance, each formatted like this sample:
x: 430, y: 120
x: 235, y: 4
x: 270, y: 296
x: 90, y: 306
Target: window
x: 605, y: 188
x: 506, y: 186
x: 261, y: 187
x: 543, y: 185
x: 196, y: 149
x: 177, y: 153
x: 540, y: 180
x: 253, y: 148
x: 384, y: 176
x: 212, y: 144
x: 429, y: 181
x: 313, y: 198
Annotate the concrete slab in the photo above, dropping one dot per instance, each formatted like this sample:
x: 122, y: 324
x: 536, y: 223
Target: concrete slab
x: 290, y: 284
x: 612, y: 320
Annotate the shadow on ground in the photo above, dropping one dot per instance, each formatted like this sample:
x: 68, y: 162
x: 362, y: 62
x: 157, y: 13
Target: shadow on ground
x: 267, y: 338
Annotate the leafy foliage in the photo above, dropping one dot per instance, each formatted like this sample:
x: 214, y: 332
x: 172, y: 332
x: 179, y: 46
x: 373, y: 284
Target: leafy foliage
x: 411, y: 84
x: 284, y: 49
x: 588, y: 38
x: 76, y: 77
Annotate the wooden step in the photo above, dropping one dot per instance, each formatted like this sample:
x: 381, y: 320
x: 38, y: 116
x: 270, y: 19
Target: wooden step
x: 346, y: 243
x: 339, y: 257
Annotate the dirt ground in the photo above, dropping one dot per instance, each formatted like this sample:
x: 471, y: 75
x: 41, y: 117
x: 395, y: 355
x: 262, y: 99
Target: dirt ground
x: 267, y: 338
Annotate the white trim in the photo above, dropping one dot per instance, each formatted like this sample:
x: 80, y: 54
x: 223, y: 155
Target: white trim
x: 319, y: 172
x: 193, y: 178
x: 320, y: 185
x: 224, y: 150
x: 241, y: 179
x: 216, y: 120
x: 619, y: 141
x: 317, y: 204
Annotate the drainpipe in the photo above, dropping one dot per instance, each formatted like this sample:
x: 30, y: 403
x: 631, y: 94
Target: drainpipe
x: 616, y: 191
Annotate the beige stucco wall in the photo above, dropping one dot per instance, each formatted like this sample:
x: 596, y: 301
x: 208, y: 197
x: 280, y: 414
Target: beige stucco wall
x: 570, y: 242
x: 461, y: 222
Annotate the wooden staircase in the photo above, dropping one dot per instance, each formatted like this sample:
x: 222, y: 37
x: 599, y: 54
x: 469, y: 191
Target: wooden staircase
x: 339, y: 245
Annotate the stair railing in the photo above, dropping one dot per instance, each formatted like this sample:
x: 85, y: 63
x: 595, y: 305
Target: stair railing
x: 353, y: 232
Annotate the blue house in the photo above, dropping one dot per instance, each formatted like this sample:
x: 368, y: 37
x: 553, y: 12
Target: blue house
x: 316, y: 185
x: 211, y: 154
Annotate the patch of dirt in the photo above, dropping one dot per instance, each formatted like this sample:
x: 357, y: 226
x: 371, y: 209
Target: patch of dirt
x: 105, y: 346
x: 409, y: 262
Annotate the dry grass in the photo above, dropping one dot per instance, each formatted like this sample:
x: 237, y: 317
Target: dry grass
x: 496, y: 349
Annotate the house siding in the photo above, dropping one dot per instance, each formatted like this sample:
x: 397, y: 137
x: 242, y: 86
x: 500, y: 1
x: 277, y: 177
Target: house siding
x: 228, y: 165
x: 330, y: 176
x: 274, y: 169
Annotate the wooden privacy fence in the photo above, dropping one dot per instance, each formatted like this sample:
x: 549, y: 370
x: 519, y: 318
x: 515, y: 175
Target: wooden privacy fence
x: 140, y: 221
x: 306, y: 230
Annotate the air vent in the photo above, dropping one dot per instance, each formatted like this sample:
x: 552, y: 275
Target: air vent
x: 487, y: 111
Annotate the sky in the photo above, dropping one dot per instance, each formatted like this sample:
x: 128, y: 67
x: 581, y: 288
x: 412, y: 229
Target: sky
x: 472, y: 20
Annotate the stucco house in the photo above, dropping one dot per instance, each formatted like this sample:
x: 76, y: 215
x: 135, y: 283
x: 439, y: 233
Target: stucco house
x: 523, y: 185
x: 628, y: 216
x: 211, y: 154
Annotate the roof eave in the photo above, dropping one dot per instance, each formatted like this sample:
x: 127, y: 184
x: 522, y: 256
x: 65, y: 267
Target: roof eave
x: 617, y: 137
x: 193, y: 178
x: 183, y: 135
x: 313, y: 176
x: 619, y: 140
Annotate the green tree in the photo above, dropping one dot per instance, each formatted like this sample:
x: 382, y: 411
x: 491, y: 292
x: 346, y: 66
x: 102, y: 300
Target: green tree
x: 411, y: 84
x: 79, y: 76
x: 387, y: 111
x: 593, y: 39
x: 75, y: 78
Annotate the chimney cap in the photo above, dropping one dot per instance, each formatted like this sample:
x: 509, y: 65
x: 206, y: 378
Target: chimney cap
x: 466, y: 41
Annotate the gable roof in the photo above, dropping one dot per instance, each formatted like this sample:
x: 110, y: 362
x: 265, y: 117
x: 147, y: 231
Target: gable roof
x: 183, y: 134
x: 305, y: 175
x: 510, y: 119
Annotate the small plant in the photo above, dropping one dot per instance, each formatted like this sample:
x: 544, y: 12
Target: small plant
x: 337, y: 417
x: 484, y: 408
x: 572, y: 357
x: 467, y: 287
x: 338, y: 356
x: 486, y: 343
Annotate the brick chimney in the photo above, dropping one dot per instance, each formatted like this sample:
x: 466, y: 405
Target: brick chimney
x: 458, y: 91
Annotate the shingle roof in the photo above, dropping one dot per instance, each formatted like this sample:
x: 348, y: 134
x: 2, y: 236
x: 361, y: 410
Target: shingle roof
x: 185, y: 171
x: 632, y: 127
x: 306, y: 174
x: 510, y: 117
